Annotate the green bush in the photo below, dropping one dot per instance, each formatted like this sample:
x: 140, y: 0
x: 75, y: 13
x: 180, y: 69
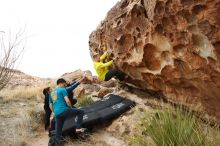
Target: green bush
x: 138, y: 140
x: 84, y: 100
x: 173, y: 127
x: 177, y: 128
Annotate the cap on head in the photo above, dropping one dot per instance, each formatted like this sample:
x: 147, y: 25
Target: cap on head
x: 60, y: 81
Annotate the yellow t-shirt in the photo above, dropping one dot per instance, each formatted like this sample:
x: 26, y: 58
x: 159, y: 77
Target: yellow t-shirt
x: 102, y: 68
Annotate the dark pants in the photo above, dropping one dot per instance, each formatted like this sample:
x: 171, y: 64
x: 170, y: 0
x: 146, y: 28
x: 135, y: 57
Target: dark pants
x: 73, y: 101
x: 47, y: 118
x: 114, y: 73
x: 62, y: 117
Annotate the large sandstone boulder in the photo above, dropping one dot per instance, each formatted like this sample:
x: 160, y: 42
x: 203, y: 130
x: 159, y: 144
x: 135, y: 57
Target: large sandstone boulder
x: 169, y: 46
x: 79, y: 91
x: 103, y: 91
x: 77, y: 74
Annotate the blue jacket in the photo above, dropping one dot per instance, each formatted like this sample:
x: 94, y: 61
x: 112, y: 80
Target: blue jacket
x: 69, y: 90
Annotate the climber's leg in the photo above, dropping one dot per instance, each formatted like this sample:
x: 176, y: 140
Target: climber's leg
x: 115, y: 73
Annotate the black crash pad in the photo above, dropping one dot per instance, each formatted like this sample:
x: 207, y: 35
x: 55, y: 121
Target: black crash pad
x: 111, y: 106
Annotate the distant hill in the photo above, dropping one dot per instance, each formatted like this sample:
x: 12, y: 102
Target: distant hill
x: 22, y: 79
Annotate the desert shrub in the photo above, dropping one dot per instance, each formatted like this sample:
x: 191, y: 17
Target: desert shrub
x: 31, y: 121
x: 138, y: 140
x: 11, y: 48
x: 84, y: 100
x: 169, y: 127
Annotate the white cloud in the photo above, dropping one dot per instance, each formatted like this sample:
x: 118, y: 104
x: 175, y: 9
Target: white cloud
x: 58, y: 32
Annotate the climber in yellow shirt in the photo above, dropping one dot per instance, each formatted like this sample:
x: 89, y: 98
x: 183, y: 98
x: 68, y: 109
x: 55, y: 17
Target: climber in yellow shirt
x: 102, y: 70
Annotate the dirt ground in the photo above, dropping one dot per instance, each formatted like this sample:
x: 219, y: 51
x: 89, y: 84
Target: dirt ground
x: 14, y: 132
x: 97, y: 138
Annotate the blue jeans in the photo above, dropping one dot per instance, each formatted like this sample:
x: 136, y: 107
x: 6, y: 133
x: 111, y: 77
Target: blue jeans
x: 60, y: 121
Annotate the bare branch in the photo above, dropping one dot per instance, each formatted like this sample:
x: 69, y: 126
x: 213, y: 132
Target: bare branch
x: 10, y: 55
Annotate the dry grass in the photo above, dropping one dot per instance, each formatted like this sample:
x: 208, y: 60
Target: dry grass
x: 21, y: 114
x: 24, y: 120
x: 21, y: 93
x: 26, y: 123
x: 21, y: 109
x: 8, y: 114
x: 31, y: 121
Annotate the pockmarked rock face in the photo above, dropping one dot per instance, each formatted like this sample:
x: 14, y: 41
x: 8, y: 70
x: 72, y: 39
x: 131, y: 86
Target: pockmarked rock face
x: 172, y: 47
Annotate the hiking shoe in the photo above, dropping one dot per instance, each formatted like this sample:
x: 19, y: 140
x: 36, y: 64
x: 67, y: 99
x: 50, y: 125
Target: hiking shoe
x: 82, y: 130
x: 51, y: 142
x: 82, y: 135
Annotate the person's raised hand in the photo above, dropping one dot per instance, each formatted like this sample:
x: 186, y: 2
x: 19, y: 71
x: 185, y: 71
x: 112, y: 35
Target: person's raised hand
x: 82, y: 78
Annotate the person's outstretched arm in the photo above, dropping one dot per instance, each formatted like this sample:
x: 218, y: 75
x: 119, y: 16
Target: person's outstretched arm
x: 72, y: 83
x: 73, y: 86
